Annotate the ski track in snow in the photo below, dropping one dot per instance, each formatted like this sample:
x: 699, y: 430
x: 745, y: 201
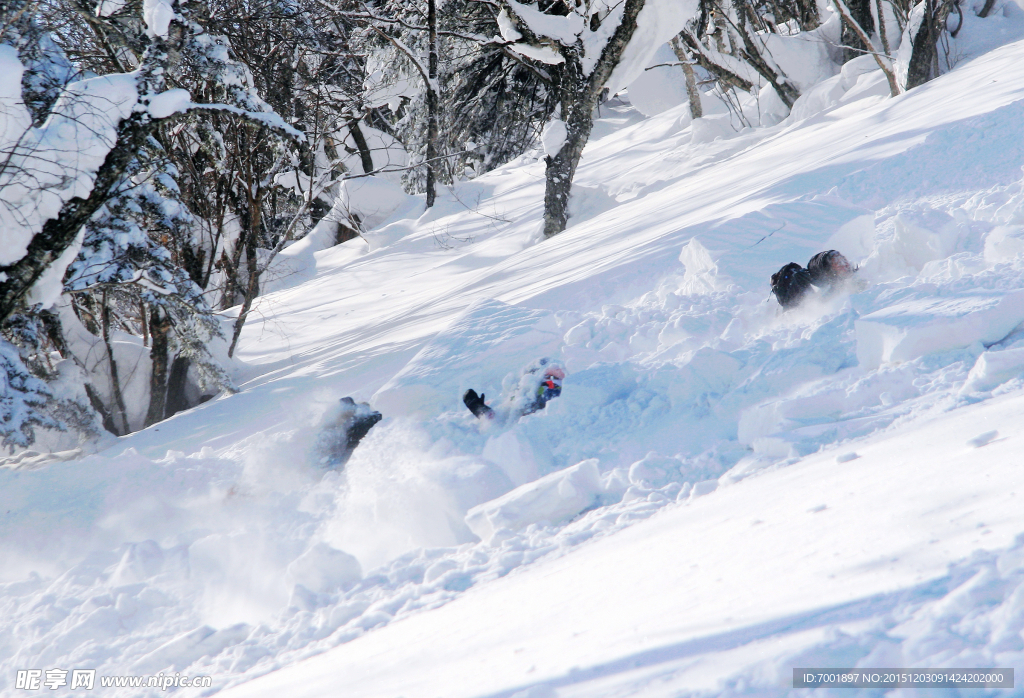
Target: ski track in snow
x: 208, y: 545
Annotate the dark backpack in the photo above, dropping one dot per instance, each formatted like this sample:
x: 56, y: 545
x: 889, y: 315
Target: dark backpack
x: 826, y: 268
x: 790, y: 283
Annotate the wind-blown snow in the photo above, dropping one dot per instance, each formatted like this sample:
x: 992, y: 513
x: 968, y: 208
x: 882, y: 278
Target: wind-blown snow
x: 721, y: 493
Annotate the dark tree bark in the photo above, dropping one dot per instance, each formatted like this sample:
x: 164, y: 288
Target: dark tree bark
x: 365, y: 157
x: 853, y: 43
x: 160, y: 328
x: 924, y: 57
x: 176, y: 383
x: 432, y: 101
x: 252, y: 287
x: 807, y: 15
x: 578, y: 96
x: 115, y: 381
x: 55, y: 332
x: 692, y: 93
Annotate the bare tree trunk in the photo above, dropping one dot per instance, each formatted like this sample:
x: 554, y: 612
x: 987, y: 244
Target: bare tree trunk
x: 578, y: 102
x: 144, y: 323
x: 752, y: 48
x: 432, y: 101
x: 365, y: 157
x: 55, y: 332
x: 692, y: 93
x: 160, y: 327
x: 852, y: 40
x: 719, y: 72
x: 883, y: 62
x: 252, y: 288
x: 115, y: 382
x: 807, y: 16
x: 882, y: 35
x: 579, y: 95
x: 924, y: 55
x: 176, y: 382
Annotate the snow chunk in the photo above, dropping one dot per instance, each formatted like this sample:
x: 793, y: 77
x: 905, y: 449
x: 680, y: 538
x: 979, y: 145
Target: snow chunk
x: 544, y: 54
x: 983, y: 439
x: 1004, y: 243
x: 507, y: 27
x: 701, y: 270
x: 323, y: 569
x: 476, y: 351
x: 157, y: 15
x: 994, y: 368
x: 170, y: 102
x: 552, y: 499
x: 109, y: 7
x: 922, y: 326
x: 553, y: 137
x: 563, y: 29
x: 48, y: 288
x: 190, y: 647
x: 855, y: 238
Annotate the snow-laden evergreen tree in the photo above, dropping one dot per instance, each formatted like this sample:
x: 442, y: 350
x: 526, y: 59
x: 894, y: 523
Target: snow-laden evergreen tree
x: 70, y: 143
x: 125, y: 271
x: 25, y: 399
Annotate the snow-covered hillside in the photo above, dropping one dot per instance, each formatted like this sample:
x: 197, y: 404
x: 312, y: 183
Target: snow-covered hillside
x: 722, y: 493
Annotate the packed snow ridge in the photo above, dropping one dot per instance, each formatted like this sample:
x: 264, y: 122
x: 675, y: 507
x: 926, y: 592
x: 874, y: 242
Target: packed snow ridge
x: 722, y: 492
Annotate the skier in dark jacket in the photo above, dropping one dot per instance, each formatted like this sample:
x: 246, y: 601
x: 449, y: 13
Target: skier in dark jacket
x: 827, y: 271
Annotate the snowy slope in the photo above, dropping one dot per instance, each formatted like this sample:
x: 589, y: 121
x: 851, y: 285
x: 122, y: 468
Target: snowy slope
x: 819, y: 564
x: 729, y: 533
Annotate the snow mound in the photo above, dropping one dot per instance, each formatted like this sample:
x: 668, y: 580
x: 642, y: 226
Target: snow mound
x: 552, y: 499
x: 994, y: 368
x: 907, y: 330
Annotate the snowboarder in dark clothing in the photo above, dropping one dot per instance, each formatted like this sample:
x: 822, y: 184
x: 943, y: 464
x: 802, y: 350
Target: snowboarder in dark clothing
x: 827, y: 271
x: 351, y: 423
x: 361, y: 421
x: 790, y: 284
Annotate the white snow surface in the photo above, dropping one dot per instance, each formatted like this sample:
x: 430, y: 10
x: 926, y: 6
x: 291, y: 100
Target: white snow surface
x: 553, y: 137
x: 722, y: 492
x: 158, y: 15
